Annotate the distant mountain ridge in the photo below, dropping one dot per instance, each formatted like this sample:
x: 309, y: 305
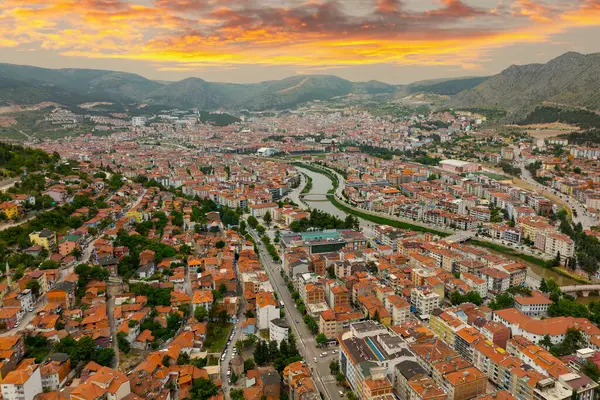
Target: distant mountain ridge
x: 571, y: 80
x: 21, y: 84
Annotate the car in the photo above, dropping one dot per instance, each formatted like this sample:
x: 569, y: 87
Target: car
x: 110, y: 339
x: 315, y: 359
x: 297, y: 321
x: 341, y: 393
x: 323, y: 354
x: 30, y: 309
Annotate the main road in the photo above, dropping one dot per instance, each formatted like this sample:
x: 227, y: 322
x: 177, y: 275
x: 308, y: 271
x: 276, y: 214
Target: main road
x: 304, y: 338
x: 587, y: 220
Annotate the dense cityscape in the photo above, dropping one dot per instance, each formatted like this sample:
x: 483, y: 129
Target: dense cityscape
x: 315, y: 254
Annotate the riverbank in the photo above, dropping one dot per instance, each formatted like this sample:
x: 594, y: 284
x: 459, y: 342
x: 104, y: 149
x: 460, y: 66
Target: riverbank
x: 536, y: 265
x: 383, y: 220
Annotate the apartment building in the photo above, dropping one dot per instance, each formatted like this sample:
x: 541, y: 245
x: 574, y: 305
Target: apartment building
x: 423, y: 300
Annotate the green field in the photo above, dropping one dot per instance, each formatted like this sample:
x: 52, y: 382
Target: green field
x: 217, y: 334
x: 492, y: 175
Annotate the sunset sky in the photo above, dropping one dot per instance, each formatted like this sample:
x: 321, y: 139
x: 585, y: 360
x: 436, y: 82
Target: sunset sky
x: 396, y: 41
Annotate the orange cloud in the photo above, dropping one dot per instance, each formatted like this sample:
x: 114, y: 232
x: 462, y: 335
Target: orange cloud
x: 183, y: 34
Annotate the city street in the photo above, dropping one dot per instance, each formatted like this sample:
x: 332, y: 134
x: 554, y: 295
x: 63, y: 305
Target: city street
x: 304, y: 338
x: 586, y: 219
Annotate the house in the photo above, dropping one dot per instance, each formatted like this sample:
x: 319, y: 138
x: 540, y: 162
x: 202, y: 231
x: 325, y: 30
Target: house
x: 146, y: 270
x: 63, y: 294
x: 12, y: 349
x: 11, y: 209
x: 103, y: 383
x: 202, y: 298
x: 266, y: 309
x: 23, y: 383
x: 55, y: 371
x: 44, y: 238
x: 9, y: 316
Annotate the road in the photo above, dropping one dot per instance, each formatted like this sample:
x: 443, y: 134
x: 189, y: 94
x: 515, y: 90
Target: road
x: 229, y: 351
x: 7, y: 184
x: 586, y: 219
x: 324, y: 381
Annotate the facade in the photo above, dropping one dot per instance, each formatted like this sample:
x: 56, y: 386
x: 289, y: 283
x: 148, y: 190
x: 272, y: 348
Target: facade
x: 278, y: 330
x: 423, y: 301
x: 24, y: 383
x: 266, y: 309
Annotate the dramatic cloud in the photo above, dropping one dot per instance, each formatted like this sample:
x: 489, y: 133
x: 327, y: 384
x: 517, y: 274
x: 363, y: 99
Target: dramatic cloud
x: 176, y: 35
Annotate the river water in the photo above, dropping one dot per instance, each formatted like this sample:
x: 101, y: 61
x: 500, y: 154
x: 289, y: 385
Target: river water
x: 322, y: 184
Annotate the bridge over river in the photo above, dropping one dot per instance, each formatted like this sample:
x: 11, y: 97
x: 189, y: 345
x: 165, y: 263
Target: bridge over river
x: 581, y: 290
x: 314, y: 196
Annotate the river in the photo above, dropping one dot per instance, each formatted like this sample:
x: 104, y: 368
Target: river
x: 322, y: 184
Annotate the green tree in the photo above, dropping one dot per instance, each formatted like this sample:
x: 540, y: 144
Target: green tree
x: 34, y: 285
x: 220, y: 244
x: 237, y: 394
x: 104, y: 356
x: 124, y: 345
x: 253, y: 222
x: 334, y: 367
x: 267, y: 218
x: 203, y: 389
x: 546, y: 341
x: 544, y: 286
x: 591, y: 369
x: 248, y: 365
x: 200, y: 313
x: 321, y: 339
x: 501, y: 301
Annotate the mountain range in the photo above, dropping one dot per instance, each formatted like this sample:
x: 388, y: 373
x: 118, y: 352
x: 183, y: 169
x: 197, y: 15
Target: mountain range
x: 569, y: 80
x: 29, y: 85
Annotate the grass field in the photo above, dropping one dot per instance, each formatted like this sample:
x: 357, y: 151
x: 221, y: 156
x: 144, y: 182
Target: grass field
x: 492, y: 175
x: 217, y: 334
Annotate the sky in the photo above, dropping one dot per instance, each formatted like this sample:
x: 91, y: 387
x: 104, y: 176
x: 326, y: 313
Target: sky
x: 395, y: 41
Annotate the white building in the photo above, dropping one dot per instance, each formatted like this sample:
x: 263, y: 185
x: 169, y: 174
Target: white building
x: 266, y: 309
x: 138, y: 121
x: 278, y: 330
x: 266, y: 151
x: 535, y: 305
x: 23, y: 383
x: 398, y: 308
x: 559, y: 243
x: 479, y: 285
x: 423, y: 301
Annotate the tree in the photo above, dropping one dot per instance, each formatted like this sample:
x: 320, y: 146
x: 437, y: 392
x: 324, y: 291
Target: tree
x: 220, y: 244
x: 34, y: 285
x: 183, y: 358
x: 501, y: 301
x: 321, y: 339
x: 200, y: 313
x: 591, y: 369
x: 124, y: 345
x: 203, y: 389
x: 544, y: 286
x: 546, y: 341
x: 237, y: 394
x: 49, y: 264
x: 334, y: 367
x: 104, y: 356
x: 253, y: 222
x: 267, y: 218
x: 248, y: 365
